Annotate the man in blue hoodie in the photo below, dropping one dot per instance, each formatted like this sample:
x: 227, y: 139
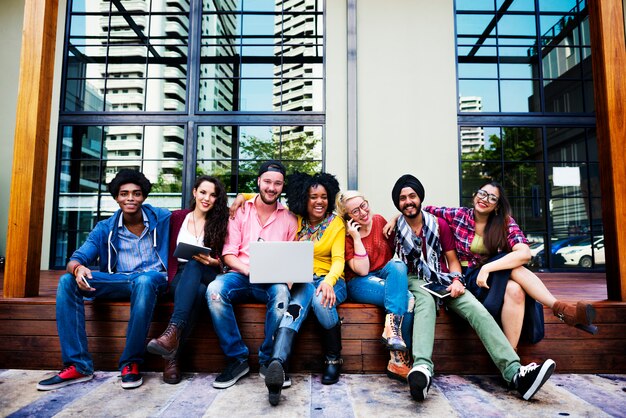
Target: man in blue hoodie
x: 131, y: 247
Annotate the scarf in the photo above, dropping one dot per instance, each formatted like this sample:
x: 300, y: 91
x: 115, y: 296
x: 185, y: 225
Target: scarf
x: 408, y: 247
x: 313, y: 233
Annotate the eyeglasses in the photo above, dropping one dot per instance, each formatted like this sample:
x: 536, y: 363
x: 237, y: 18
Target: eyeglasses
x: 484, y: 195
x: 362, y: 207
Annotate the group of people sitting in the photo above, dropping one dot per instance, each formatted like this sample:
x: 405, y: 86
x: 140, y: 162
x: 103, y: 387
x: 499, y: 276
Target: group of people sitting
x: 477, y: 254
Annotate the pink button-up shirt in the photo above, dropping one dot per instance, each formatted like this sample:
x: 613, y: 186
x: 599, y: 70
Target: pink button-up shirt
x: 246, y: 227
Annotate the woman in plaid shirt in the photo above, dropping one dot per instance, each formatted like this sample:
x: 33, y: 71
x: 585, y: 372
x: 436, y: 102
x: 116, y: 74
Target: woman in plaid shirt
x: 494, y: 249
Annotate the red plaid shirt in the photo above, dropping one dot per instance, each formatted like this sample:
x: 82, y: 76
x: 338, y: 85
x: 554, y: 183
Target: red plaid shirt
x: 461, y: 221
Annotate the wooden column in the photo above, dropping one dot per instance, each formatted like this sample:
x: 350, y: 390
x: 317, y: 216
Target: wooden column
x: 608, y: 55
x: 30, y: 155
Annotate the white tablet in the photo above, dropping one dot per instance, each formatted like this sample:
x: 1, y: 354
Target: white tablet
x: 436, y: 289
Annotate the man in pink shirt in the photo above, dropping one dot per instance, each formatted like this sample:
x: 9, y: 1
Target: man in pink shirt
x: 260, y: 219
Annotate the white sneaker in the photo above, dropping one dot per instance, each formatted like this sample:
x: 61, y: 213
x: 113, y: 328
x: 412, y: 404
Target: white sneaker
x: 419, y: 382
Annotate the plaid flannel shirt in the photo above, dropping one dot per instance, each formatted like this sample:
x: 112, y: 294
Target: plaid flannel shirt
x: 461, y: 220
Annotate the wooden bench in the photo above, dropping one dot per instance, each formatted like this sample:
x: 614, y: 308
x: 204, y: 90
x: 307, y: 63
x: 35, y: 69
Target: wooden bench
x: 28, y: 337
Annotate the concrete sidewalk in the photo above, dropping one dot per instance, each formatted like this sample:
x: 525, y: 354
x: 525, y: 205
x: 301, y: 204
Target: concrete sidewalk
x: 354, y: 396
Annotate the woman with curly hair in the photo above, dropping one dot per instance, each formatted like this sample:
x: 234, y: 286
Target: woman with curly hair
x: 312, y: 199
x: 204, y: 224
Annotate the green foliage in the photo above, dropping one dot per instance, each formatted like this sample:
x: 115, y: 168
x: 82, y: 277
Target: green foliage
x: 299, y: 153
x: 516, y: 144
x: 169, y: 186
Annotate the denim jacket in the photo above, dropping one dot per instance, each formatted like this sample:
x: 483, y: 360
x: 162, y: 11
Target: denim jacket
x: 102, y: 241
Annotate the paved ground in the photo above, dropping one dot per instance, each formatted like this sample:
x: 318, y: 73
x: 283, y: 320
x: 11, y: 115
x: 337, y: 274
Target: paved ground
x: 354, y: 396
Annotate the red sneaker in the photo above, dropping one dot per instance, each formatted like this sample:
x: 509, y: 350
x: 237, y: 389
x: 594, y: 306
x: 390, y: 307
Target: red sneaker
x: 131, y: 378
x: 68, y: 376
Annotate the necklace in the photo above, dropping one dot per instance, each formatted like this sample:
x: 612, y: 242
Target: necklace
x: 199, y: 238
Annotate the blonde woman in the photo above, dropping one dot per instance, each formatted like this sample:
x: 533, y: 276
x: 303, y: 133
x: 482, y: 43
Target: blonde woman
x: 373, y: 276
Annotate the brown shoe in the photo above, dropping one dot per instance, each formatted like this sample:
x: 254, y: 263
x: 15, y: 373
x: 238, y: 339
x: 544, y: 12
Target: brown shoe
x: 171, y: 372
x: 167, y: 344
x: 579, y: 315
x: 398, y: 367
x: 392, y: 334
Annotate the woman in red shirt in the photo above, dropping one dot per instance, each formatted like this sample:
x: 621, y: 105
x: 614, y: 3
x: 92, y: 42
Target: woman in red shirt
x: 375, y: 277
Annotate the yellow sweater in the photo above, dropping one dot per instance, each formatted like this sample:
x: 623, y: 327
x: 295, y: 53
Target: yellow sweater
x: 329, y: 252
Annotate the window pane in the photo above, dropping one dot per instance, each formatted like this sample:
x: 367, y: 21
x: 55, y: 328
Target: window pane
x: 519, y: 96
x: 474, y: 24
x: 566, y: 144
x: 528, y: 213
x: 298, y: 147
x: 487, y: 5
x: 520, y: 28
x: 568, y: 180
x: 522, y: 144
x: 563, y: 96
x: 524, y: 180
x: 559, y: 5
x: 484, y: 90
x: 518, y: 5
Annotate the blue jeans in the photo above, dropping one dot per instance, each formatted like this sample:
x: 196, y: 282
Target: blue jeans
x: 303, y: 297
x: 189, y: 289
x: 142, y: 289
x: 233, y: 287
x: 328, y: 317
x: 389, y: 288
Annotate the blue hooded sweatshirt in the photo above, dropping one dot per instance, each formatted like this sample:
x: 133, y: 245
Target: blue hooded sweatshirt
x: 103, y: 241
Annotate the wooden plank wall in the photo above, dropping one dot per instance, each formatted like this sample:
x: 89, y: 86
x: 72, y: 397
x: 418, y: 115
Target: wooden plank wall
x: 28, y: 339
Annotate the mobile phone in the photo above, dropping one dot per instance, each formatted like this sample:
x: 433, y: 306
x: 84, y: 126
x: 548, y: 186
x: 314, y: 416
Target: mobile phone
x: 436, y: 289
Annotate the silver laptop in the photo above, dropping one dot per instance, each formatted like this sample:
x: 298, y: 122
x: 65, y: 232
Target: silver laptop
x: 281, y: 262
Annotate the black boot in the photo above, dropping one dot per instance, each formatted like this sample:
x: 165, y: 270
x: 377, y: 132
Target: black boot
x: 275, y: 375
x: 332, y: 344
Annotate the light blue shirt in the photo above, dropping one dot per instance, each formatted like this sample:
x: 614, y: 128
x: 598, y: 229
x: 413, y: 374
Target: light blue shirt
x: 136, y: 254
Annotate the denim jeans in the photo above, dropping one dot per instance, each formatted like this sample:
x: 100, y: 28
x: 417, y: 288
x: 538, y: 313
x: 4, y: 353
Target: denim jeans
x: 471, y: 310
x: 142, y: 289
x: 303, y: 297
x: 328, y: 317
x: 233, y: 287
x: 189, y: 289
x: 388, y: 288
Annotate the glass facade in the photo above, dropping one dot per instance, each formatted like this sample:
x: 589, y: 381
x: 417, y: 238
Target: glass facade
x: 526, y: 120
x: 178, y: 88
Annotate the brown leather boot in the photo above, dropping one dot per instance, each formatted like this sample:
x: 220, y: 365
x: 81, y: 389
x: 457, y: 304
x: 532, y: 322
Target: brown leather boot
x: 171, y: 371
x: 398, y: 367
x: 392, y: 334
x: 167, y: 344
x: 579, y: 315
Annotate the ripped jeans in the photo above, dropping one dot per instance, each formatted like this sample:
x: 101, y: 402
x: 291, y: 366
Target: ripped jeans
x: 234, y: 287
x: 303, y: 297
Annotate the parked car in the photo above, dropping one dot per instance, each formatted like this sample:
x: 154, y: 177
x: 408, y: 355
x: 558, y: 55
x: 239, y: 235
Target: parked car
x: 538, y: 254
x: 582, y: 254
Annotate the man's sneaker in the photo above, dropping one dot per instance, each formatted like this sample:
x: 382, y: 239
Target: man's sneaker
x: 419, y: 382
x: 263, y: 373
x: 68, y: 376
x: 131, y: 378
x: 531, y: 377
x: 234, y: 371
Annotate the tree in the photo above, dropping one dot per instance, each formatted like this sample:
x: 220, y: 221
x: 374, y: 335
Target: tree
x: 297, y: 153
